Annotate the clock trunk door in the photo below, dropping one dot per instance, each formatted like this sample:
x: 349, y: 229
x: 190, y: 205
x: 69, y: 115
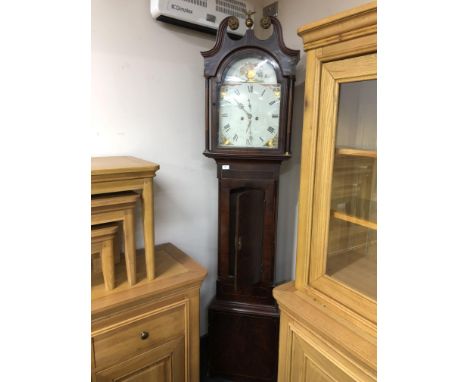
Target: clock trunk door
x: 248, y: 208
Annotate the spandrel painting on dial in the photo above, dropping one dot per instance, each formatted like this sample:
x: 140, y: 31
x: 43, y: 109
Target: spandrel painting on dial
x: 249, y: 104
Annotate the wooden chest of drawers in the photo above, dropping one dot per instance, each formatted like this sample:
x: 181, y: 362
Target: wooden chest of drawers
x: 149, y: 332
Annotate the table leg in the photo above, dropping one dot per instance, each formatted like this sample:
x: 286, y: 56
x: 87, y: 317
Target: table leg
x: 107, y: 261
x: 118, y: 244
x: 129, y: 239
x: 96, y: 249
x: 148, y: 226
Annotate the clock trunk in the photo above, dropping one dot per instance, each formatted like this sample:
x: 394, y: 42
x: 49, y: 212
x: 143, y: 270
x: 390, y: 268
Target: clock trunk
x: 243, y: 318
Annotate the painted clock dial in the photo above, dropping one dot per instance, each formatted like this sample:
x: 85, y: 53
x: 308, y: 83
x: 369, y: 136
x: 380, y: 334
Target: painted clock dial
x: 249, y: 105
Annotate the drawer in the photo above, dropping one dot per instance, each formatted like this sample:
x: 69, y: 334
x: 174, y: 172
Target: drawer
x: 165, y: 363
x: 140, y: 334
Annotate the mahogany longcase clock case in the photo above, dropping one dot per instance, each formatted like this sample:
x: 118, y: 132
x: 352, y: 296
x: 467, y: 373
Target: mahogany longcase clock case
x: 249, y: 97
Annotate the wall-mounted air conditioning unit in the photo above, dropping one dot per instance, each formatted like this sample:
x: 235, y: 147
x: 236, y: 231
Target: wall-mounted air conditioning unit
x: 202, y: 15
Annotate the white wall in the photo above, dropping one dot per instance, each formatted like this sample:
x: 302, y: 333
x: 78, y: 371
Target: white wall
x: 148, y: 101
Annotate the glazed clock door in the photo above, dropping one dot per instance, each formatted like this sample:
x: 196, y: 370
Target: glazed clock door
x: 344, y: 213
x: 249, y: 104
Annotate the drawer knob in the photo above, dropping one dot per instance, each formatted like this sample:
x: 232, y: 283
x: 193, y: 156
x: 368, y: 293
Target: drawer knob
x: 144, y: 335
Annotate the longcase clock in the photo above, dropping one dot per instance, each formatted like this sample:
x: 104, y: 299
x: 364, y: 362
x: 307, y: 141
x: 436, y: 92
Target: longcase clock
x: 249, y: 97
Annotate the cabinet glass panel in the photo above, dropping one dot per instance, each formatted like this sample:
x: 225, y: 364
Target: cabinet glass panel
x: 352, y: 240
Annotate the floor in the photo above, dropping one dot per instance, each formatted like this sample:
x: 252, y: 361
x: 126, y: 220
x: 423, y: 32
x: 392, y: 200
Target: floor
x: 204, y: 363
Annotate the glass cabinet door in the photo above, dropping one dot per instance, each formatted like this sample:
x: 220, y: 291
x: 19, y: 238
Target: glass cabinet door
x: 339, y: 200
x: 352, y: 232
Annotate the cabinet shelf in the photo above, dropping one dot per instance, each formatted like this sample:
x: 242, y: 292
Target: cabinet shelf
x: 350, y: 152
x: 353, y: 219
x: 355, y: 269
x: 362, y: 212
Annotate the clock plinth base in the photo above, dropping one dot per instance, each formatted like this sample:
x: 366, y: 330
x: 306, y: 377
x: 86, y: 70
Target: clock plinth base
x: 243, y: 340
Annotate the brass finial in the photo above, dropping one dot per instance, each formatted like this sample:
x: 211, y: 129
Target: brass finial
x: 233, y: 22
x: 249, y: 21
x: 265, y: 22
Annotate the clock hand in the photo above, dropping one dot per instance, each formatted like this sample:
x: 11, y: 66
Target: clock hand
x: 249, y: 132
x: 243, y: 109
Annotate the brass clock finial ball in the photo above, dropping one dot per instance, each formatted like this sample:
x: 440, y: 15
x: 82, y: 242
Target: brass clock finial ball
x: 265, y: 22
x: 233, y: 22
x: 249, y: 21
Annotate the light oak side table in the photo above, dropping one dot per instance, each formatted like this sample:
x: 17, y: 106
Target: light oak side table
x: 119, y: 207
x: 104, y: 242
x: 126, y: 173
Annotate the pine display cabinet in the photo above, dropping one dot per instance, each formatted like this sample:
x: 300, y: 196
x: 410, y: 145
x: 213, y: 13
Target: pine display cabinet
x: 328, y: 324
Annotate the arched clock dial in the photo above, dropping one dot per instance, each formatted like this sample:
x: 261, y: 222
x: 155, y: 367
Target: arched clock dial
x: 249, y: 105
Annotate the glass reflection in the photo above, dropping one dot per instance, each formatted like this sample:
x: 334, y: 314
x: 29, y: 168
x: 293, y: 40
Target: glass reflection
x: 352, y: 240
x: 251, y: 69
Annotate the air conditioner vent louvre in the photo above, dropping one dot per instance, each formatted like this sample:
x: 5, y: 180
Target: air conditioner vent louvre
x: 232, y: 8
x: 201, y: 3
